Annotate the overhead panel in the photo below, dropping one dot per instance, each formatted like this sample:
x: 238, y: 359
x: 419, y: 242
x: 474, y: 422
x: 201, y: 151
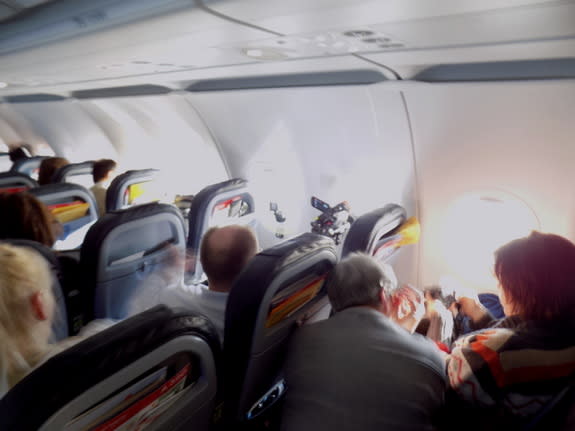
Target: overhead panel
x: 100, y: 40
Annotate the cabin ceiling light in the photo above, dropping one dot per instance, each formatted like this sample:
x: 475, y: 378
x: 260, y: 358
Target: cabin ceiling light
x: 3, y: 84
x: 265, y: 53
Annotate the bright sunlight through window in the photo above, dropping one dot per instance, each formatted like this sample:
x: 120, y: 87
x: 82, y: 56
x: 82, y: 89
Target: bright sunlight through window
x: 475, y: 226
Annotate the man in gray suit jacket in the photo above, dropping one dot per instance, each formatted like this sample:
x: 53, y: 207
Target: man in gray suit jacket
x: 360, y: 370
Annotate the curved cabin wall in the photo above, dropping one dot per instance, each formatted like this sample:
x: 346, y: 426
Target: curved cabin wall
x: 337, y: 143
x: 514, y: 138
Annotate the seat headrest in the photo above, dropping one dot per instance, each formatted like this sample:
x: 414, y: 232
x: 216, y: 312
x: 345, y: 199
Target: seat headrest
x: 367, y: 230
x: 27, y: 166
x: 72, y: 372
x: 111, y: 220
x: 16, y: 180
x: 72, y: 169
x: 204, y: 204
x: 116, y: 192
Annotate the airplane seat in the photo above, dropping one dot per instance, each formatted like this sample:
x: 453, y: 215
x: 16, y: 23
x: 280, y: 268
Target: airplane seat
x: 227, y: 202
x: 13, y: 182
x: 122, y: 249
x: 76, y: 173
x: 158, y: 368
x: 73, y: 206
x: 558, y: 414
x: 28, y: 166
x: 373, y: 232
x: 281, y: 288
x: 60, y: 325
x: 127, y: 187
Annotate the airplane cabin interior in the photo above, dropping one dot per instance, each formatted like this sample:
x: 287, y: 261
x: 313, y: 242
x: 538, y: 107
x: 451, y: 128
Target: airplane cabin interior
x: 353, y: 119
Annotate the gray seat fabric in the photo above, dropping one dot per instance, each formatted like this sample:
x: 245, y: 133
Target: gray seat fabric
x: 116, y: 195
x: 230, y: 200
x: 28, y: 166
x: 16, y: 180
x: 78, y: 173
x: 60, y: 324
x: 371, y: 232
x: 144, y: 355
x: 123, y: 248
x: 281, y: 288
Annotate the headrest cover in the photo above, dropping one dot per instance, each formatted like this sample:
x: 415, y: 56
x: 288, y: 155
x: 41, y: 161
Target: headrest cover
x: 72, y: 169
x: 370, y: 227
x: 119, y: 185
x: 16, y: 179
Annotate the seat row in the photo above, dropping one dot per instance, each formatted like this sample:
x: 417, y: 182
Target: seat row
x: 281, y: 288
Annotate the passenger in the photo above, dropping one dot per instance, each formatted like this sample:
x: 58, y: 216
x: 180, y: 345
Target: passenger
x: 440, y: 318
x: 359, y: 370
x: 23, y: 216
x: 224, y: 252
x: 512, y: 369
x: 18, y: 153
x: 102, y: 173
x: 27, y: 312
x: 48, y: 168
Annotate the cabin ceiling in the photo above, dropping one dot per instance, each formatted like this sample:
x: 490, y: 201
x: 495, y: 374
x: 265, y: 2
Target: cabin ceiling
x: 69, y: 45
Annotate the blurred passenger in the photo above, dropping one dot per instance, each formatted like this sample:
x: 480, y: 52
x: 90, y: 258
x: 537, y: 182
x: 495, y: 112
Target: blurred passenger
x: 23, y: 216
x: 18, y: 153
x: 507, y: 373
x: 440, y: 318
x: 27, y: 311
x: 224, y: 252
x: 48, y: 168
x: 103, y: 172
x: 360, y: 370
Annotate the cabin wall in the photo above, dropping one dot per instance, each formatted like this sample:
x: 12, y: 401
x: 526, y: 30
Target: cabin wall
x: 510, y: 139
x: 337, y: 143
x: 163, y: 132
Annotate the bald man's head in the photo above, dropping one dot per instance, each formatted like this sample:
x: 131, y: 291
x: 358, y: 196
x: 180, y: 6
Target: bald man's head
x: 224, y: 253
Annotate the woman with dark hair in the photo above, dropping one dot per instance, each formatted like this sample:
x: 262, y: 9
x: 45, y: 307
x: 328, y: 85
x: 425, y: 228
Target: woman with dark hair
x: 23, y: 216
x: 48, y: 168
x: 516, y: 366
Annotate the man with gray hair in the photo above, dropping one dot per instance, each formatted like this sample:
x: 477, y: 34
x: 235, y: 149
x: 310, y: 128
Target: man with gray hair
x: 359, y: 369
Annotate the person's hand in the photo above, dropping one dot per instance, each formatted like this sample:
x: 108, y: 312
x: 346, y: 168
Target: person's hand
x: 408, y: 307
x: 469, y: 304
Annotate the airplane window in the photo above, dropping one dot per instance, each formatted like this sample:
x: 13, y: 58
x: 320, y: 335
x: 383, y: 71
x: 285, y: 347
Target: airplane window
x: 475, y: 226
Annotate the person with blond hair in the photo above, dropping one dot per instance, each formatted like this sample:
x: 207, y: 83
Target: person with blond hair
x: 27, y: 313
x: 27, y: 308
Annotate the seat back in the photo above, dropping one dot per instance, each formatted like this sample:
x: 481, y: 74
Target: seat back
x: 158, y: 367
x: 374, y: 232
x: 127, y: 187
x: 123, y: 248
x: 13, y: 182
x: 77, y: 173
x: 60, y: 324
x: 280, y: 288
x: 29, y: 166
x: 222, y: 203
x: 74, y: 206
